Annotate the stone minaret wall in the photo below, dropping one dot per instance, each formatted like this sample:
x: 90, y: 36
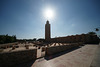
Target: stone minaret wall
x: 47, y: 31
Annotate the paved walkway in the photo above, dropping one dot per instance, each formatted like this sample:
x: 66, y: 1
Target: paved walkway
x: 96, y: 60
x: 82, y: 57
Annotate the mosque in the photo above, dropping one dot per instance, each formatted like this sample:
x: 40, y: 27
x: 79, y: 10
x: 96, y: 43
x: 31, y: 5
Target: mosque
x: 85, y: 38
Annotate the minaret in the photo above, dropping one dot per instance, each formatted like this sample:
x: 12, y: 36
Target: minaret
x: 47, y: 31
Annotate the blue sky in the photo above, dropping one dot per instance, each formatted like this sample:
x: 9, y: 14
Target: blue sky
x: 25, y: 19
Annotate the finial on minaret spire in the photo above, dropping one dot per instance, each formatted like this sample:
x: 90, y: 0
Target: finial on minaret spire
x: 47, y: 22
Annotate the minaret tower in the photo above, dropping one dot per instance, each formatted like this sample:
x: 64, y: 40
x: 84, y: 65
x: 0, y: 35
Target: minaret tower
x: 47, y: 31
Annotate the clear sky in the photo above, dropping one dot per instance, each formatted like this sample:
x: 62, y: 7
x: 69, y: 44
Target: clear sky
x: 26, y: 19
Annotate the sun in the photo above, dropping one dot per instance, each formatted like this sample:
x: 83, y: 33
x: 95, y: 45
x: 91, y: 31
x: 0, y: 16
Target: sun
x: 49, y: 13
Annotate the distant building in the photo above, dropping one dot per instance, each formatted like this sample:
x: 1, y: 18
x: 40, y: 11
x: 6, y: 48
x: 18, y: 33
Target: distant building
x: 47, y: 31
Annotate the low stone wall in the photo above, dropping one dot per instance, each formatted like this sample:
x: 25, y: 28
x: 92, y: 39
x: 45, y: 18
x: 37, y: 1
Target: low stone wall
x: 57, y: 49
x: 13, y: 58
x: 7, y: 45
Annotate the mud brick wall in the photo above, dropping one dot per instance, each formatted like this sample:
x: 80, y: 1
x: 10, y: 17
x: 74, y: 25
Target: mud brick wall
x: 57, y: 49
x: 13, y: 58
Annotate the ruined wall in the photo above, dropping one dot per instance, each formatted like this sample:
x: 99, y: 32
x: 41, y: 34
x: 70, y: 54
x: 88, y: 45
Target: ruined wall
x: 13, y: 58
x: 85, y: 38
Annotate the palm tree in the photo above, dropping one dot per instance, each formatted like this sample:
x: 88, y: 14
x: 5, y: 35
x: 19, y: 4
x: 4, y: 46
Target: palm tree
x: 96, y: 29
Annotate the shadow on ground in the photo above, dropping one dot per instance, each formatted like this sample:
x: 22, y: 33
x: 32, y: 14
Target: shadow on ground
x: 59, y: 54
x: 26, y: 64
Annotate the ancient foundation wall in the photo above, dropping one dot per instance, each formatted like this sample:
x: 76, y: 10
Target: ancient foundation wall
x: 14, y: 58
x: 57, y: 49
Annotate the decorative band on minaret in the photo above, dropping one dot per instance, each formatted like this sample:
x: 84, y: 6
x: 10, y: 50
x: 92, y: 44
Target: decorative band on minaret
x: 47, y: 31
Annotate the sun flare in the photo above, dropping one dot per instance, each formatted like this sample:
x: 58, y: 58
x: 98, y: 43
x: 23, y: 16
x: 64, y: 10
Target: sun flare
x: 49, y: 13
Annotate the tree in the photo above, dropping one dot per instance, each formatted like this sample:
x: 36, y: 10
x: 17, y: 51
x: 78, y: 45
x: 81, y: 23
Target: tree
x: 41, y: 40
x: 7, y: 39
x: 91, y: 33
x: 34, y: 39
